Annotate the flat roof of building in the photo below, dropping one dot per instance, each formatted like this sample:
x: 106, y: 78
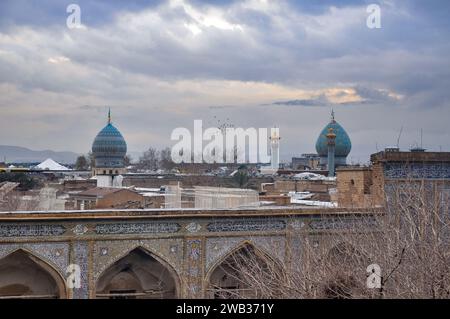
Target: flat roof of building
x: 399, y: 156
x: 101, y: 191
x: 157, y: 213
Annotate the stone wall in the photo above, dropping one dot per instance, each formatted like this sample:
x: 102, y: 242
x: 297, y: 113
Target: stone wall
x: 355, y: 187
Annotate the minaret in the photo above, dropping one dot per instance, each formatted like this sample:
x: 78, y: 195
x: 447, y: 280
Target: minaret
x: 331, y: 142
x: 275, y: 149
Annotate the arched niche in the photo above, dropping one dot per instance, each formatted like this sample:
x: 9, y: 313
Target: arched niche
x: 229, y: 278
x: 25, y: 276
x: 138, y: 275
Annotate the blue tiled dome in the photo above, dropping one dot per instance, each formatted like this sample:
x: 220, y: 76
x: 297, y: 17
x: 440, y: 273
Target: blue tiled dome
x: 343, y: 143
x: 109, y: 147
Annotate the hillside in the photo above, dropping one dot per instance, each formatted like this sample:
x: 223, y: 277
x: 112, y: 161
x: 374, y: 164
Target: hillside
x: 17, y: 154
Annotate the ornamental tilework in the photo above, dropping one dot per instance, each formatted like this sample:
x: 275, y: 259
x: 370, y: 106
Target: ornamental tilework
x: 81, y: 258
x: 343, y: 223
x: 262, y: 224
x: 108, y: 252
x: 24, y: 230
x: 217, y: 248
x: 79, y: 229
x: 417, y: 170
x: 193, y: 267
x: 55, y: 254
x: 137, y: 228
x: 193, y: 227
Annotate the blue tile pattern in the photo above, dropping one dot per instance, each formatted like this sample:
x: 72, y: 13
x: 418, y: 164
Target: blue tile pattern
x: 109, y: 148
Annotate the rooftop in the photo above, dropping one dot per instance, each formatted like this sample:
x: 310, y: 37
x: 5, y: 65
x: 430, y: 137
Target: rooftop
x: 400, y: 156
x: 157, y: 213
x: 101, y: 191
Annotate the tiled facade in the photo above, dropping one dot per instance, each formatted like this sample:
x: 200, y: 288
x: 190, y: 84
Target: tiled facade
x: 190, y: 244
x: 389, y: 170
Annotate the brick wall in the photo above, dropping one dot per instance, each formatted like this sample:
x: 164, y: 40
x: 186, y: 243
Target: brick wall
x: 355, y: 187
x: 118, y: 199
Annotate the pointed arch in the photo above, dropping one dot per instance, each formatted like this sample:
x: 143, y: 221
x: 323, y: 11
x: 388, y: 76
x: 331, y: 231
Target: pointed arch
x: 228, y: 277
x: 25, y: 275
x: 139, y: 273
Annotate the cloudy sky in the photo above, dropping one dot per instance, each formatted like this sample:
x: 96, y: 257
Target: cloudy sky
x: 252, y: 63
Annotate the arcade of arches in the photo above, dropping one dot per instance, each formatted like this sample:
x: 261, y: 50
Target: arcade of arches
x: 138, y: 275
x: 152, y: 254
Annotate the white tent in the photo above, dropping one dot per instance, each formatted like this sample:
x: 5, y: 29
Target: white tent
x: 51, y: 165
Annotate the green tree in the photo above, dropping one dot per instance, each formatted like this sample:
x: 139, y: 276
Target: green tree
x: 82, y: 163
x: 241, y: 176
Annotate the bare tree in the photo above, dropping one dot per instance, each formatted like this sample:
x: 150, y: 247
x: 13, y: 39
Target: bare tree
x: 165, y: 160
x: 409, y: 240
x: 15, y: 201
x: 127, y: 160
x: 149, y: 160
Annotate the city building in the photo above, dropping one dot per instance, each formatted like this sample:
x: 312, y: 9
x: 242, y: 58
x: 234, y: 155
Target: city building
x: 107, y: 197
x: 309, y: 161
x: 125, y: 249
x: 392, y: 170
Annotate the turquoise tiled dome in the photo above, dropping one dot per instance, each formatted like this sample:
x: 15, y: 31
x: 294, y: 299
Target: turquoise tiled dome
x: 343, y: 143
x: 109, y: 147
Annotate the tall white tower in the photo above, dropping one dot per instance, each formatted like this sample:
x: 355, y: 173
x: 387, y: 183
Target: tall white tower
x: 275, y: 148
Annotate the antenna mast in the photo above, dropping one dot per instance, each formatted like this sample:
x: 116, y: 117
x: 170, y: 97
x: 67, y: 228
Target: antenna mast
x: 421, y: 138
x: 398, y: 138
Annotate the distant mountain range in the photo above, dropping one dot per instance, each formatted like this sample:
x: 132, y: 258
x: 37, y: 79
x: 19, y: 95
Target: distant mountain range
x: 17, y: 154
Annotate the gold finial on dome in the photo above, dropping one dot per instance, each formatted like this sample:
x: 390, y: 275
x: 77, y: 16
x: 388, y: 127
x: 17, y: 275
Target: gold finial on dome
x: 331, y: 133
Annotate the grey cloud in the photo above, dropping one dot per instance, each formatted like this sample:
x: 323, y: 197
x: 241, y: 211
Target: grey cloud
x: 132, y: 67
x: 318, y: 102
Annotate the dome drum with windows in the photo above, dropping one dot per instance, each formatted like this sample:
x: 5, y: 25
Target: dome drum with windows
x: 109, y: 147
